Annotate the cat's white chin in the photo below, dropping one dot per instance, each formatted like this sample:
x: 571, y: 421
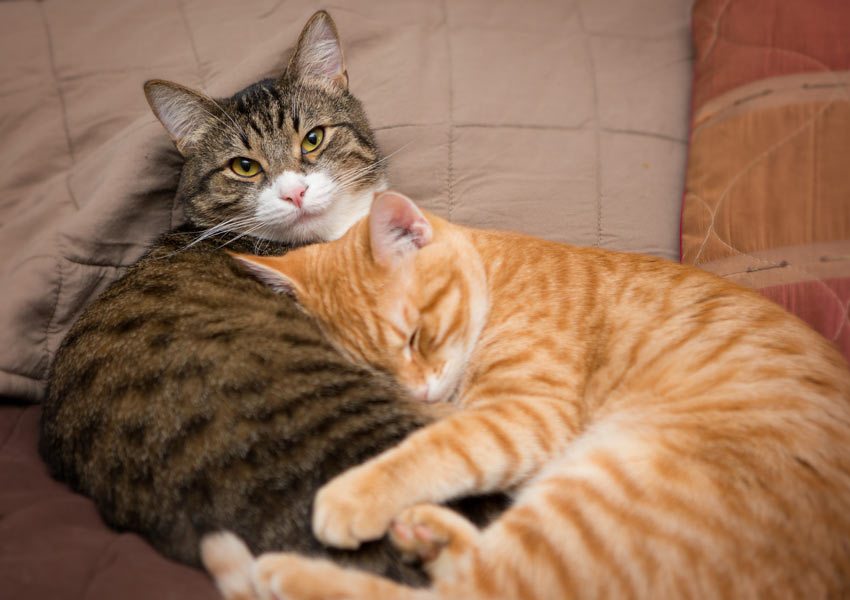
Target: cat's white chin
x: 325, y: 214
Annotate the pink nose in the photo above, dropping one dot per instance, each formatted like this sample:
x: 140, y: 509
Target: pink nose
x: 295, y: 195
x: 422, y: 393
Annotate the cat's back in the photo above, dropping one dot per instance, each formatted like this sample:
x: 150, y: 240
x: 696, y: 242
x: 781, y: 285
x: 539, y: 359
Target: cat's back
x: 632, y: 315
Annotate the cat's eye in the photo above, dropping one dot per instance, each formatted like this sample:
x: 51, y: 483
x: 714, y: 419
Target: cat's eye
x: 413, y: 342
x: 312, y: 140
x: 245, y: 167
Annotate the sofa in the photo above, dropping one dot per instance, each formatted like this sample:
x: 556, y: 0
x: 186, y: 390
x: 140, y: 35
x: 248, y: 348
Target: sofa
x: 716, y: 133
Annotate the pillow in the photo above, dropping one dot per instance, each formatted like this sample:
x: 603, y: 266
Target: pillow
x: 767, y: 195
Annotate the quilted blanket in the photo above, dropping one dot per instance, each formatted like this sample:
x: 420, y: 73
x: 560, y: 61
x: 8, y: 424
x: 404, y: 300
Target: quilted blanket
x: 563, y: 118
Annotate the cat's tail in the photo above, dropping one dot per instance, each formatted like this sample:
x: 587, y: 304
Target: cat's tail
x: 230, y: 563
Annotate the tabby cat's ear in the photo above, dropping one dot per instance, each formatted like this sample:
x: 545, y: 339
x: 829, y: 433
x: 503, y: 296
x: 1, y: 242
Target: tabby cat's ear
x: 397, y: 228
x: 184, y: 113
x: 267, y: 270
x: 318, y: 54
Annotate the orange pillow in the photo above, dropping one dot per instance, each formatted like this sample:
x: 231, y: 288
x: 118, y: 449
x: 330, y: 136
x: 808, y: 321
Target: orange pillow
x: 767, y: 195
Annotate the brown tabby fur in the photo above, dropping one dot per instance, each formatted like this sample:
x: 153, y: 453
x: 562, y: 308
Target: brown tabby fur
x: 670, y: 434
x: 188, y: 397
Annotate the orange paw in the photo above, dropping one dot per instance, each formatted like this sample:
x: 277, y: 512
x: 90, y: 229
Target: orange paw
x: 286, y: 576
x: 436, y: 535
x: 354, y: 507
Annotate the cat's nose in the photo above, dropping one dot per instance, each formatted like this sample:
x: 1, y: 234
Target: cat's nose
x: 422, y: 393
x: 295, y: 195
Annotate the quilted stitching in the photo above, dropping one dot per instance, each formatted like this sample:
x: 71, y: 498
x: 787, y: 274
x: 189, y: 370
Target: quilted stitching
x: 511, y: 116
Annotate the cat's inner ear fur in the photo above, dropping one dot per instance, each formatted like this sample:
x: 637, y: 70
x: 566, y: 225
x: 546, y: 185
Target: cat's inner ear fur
x: 266, y: 269
x: 318, y: 54
x: 397, y: 228
x: 185, y: 113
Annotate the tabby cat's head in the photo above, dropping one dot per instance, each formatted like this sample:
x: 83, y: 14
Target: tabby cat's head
x: 400, y: 291
x: 291, y: 159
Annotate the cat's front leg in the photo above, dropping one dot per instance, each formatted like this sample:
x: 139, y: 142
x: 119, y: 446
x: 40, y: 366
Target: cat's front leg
x: 287, y: 576
x: 488, y: 448
x: 230, y: 563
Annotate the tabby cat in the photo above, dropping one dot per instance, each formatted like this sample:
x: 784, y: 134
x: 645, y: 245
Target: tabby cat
x: 671, y: 435
x: 188, y: 397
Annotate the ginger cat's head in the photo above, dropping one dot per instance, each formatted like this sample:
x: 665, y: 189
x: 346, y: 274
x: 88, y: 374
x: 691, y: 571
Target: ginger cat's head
x: 400, y: 292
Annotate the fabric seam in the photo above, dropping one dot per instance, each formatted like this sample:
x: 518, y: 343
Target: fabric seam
x: 56, y: 81
x: 450, y: 158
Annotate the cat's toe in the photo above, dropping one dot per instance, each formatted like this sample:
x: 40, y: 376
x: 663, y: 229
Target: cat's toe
x: 423, y: 531
x: 229, y: 562
x: 415, y: 542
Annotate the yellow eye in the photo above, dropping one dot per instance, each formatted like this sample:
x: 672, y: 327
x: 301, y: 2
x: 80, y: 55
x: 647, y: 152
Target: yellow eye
x: 245, y: 167
x: 312, y: 140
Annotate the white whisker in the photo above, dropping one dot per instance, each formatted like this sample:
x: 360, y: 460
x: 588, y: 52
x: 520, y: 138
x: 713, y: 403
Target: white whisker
x: 232, y: 120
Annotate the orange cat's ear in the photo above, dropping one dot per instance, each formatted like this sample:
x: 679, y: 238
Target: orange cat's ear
x: 270, y: 270
x: 397, y: 228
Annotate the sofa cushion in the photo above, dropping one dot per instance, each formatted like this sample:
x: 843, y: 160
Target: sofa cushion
x: 767, y: 199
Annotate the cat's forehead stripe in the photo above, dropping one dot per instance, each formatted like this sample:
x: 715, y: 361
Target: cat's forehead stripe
x: 255, y: 126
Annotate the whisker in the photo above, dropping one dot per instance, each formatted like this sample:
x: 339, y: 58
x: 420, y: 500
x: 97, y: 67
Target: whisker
x: 223, y: 124
x: 352, y: 175
x: 232, y: 120
x: 243, y: 234
x: 224, y: 227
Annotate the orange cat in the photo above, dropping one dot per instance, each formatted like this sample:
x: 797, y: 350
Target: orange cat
x: 668, y: 434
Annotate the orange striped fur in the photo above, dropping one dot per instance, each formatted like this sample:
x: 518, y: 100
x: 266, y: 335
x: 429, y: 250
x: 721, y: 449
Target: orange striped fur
x: 668, y: 434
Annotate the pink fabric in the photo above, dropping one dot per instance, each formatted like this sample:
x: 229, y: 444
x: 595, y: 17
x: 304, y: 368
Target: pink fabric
x: 823, y: 304
x: 739, y: 41
x: 53, y: 543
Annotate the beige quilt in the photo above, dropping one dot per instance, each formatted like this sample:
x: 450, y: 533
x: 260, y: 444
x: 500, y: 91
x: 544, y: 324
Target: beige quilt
x: 563, y: 118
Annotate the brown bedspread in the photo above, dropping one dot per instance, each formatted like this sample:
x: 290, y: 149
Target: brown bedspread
x: 53, y: 544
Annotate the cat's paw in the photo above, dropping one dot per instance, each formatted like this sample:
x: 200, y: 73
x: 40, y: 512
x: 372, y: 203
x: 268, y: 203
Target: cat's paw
x: 438, y: 536
x: 286, y: 576
x: 229, y: 562
x: 281, y: 575
x: 354, y: 507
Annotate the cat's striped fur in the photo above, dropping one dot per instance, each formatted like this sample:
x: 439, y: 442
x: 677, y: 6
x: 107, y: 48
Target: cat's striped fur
x: 670, y: 434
